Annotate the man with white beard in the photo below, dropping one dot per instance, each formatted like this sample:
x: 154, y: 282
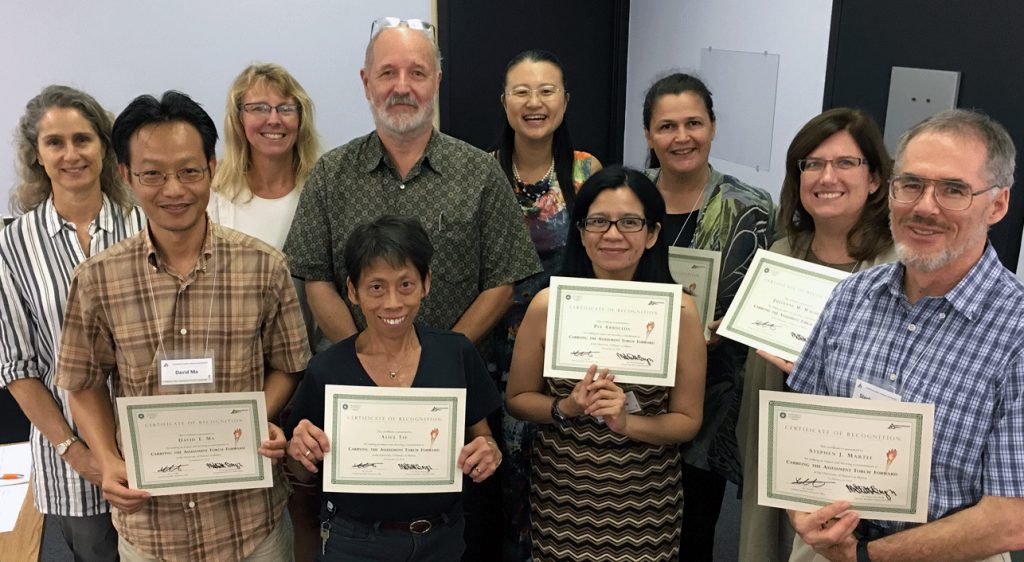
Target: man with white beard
x: 406, y: 167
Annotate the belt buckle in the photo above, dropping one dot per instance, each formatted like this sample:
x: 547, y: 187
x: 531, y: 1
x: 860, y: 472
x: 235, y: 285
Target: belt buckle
x: 420, y: 526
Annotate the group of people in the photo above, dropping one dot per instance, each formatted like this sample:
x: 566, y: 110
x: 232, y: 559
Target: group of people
x: 407, y: 258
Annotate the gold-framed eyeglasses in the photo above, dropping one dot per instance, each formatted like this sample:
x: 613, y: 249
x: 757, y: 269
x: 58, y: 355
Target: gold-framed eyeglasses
x: 546, y: 92
x: 952, y: 195
x: 263, y: 109
x: 155, y: 178
x: 424, y: 27
x: 817, y: 165
x: 624, y: 225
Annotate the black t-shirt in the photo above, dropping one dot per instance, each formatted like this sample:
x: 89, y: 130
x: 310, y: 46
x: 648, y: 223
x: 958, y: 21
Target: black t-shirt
x: 447, y: 360
x: 679, y: 229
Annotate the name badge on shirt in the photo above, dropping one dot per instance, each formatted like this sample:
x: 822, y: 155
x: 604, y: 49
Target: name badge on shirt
x: 868, y: 391
x: 196, y: 370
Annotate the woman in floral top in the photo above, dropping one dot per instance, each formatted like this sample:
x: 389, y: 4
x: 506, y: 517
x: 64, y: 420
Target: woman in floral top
x: 709, y: 210
x: 537, y: 156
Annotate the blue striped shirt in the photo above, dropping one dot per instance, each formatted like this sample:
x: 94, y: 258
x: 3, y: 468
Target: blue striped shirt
x: 38, y: 254
x: 962, y: 352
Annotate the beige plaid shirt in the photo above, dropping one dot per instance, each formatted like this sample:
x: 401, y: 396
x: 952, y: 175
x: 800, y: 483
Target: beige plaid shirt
x: 124, y: 305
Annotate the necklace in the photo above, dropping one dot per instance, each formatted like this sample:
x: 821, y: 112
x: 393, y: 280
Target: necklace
x: 688, y: 217
x: 547, y: 176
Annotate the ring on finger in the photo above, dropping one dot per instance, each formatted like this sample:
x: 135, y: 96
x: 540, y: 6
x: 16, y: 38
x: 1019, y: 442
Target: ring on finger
x: 307, y: 453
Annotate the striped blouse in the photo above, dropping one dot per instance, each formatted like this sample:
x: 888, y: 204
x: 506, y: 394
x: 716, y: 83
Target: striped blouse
x: 38, y: 254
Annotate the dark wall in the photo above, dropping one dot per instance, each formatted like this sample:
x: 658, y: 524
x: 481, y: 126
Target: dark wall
x: 478, y: 38
x: 13, y: 424
x: 981, y: 40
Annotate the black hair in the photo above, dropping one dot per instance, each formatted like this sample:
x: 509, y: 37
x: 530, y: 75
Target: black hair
x: 653, y: 265
x: 397, y: 240
x: 171, y: 107
x: 561, y: 143
x: 671, y: 85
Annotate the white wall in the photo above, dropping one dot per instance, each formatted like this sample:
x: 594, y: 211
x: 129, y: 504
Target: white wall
x: 118, y: 49
x: 668, y: 35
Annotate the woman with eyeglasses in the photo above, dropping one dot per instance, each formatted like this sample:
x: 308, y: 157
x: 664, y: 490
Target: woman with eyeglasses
x: 834, y: 212
x: 605, y: 481
x: 271, y: 146
x: 537, y: 155
x: 388, y: 262
x: 708, y: 210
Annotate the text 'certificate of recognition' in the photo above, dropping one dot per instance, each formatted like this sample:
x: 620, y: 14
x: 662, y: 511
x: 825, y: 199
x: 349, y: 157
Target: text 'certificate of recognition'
x: 393, y: 440
x: 697, y: 271
x: 876, y: 454
x: 187, y: 443
x: 628, y: 327
x: 778, y: 303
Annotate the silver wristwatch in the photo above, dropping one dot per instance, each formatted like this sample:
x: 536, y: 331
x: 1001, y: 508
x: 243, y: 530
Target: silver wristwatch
x: 66, y: 444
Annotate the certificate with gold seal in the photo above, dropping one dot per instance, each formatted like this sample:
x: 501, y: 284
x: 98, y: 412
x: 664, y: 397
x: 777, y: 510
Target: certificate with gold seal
x: 813, y: 450
x: 393, y: 440
x: 628, y: 327
x: 187, y: 443
x: 778, y: 303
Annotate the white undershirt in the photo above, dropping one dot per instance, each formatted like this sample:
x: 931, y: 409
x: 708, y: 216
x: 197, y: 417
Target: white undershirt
x: 266, y: 219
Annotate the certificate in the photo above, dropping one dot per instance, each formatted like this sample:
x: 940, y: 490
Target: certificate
x: 186, y: 443
x: 393, y: 440
x: 697, y: 271
x: 813, y: 450
x: 778, y: 303
x: 628, y: 327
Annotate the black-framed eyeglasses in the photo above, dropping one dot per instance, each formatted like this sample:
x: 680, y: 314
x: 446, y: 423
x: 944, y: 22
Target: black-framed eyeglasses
x: 263, y: 109
x: 624, y: 225
x: 424, y: 27
x: 952, y: 195
x: 154, y: 178
x: 817, y: 165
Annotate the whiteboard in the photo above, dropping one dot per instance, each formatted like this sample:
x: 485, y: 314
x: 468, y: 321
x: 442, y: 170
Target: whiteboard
x: 118, y: 49
x: 743, y: 86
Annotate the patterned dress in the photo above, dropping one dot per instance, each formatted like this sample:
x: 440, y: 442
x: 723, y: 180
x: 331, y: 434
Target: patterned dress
x: 544, y: 211
x: 599, y: 496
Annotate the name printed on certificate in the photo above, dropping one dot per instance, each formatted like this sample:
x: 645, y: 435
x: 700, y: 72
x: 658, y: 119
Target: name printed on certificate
x: 814, y: 450
x: 697, y: 271
x: 778, y: 303
x: 628, y: 327
x: 188, y: 443
x: 393, y: 440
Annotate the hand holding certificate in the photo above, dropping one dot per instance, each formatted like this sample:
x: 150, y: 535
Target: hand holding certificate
x: 195, y: 443
x: 814, y: 450
x: 628, y: 327
x: 778, y: 303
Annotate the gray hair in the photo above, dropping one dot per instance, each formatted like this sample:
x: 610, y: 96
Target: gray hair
x: 368, y: 57
x: 970, y: 123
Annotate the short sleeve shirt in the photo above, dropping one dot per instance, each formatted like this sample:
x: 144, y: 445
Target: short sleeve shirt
x: 962, y: 352
x: 126, y: 309
x: 447, y: 360
x: 456, y: 191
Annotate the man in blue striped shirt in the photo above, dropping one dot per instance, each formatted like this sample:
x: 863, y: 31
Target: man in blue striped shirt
x: 945, y: 326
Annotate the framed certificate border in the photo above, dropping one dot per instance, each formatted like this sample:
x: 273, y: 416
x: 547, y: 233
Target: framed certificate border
x: 662, y: 371
x: 682, y: 262
x: 339, y: 397
x: 774, y: 408
x: 780, y: 345
x: 133, y: 409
